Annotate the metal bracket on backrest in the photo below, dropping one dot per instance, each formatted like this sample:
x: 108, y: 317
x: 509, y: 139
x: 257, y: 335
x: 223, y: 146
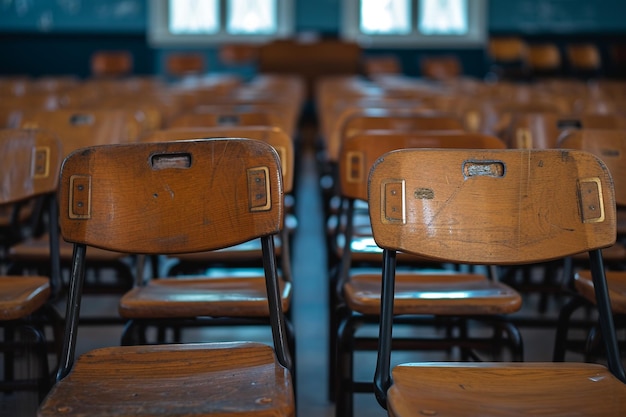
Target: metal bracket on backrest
x: 80, y: 197
x: 590, y: 199
x: 41, y: 162
x: 354, y: 162
x: 394, y: 203
x: 259, y: 189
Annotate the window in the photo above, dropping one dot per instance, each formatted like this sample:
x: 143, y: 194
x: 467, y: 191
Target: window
x: 204, y: 22
x: 410, y: 23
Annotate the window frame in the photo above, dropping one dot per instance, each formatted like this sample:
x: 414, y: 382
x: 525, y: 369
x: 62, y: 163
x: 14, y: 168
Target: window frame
x: 159, y: 34
x: 476, y: 35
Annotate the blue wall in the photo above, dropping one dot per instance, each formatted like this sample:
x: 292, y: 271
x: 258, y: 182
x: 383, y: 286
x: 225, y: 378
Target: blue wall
x: 40, y: 37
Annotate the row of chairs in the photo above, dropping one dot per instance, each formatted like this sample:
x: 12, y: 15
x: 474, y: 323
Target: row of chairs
x: 361, y: 121
x: 244, y: 173
x: 172, y: 160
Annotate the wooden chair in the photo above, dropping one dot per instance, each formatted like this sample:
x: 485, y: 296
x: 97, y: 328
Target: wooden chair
x: 30, y: 162
x: 610, y: 146
x: 248, y: 253
x: 181, y: 64
x: 543, y: 60
x: 77, y: 129
x: 493, y: 207
x: 237, y: 285
x: 374, y: 66
x: 507, y: 56
x: 584, y: 59
x: 441, y: 68
x: 356, y: 302
x: 111, y: 64
x: 183, y: 196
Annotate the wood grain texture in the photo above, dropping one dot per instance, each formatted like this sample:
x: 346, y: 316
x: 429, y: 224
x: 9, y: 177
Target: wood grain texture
x: 272, y: 135
x: 22, y: 295
x: 616, y: 280
x: 195, y: 297
x: 459, y: 208
x: 19, y: 176
x: 220, y: 379
x: 439, y: 294
x: 195, y: 212
x: 30, y: 161
x: 359, y: 152
x: 505, y: 390
x: 79, y: 128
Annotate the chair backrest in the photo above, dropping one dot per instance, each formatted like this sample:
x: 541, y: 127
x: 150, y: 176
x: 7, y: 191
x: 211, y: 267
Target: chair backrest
x: 81, y: 128
x: 507, y: 49
x: 235, y: 118
x: 359, y: 152
x: 169, y: 198
x: 583, y: 56
x: 185, y: 63
x: 541, y: 130
x: 111, y: 63
x: 30, y: 161
x: 608, y: 145
x: 543, y: 57
x: 359, y: 120
x: 493, y: 207
x: 274, y: 136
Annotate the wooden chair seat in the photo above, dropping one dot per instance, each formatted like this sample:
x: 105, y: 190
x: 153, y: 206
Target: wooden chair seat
x: 505, y: 389
x: 191, y: 379
x: 195, y: 297
x: 439, y: 294
x: 617, y: 288
x: 20, y: 296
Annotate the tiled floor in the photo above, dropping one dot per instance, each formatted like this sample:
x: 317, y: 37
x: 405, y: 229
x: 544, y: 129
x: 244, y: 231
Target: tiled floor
x: 309, y: 315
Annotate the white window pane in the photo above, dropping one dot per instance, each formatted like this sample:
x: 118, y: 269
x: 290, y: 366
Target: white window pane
x: 443, y: 17
x: 193, y: 16
x: 386, y: 17
x: 251, y: 17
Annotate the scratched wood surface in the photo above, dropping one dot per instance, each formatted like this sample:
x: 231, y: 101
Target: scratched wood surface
x: 220, y: 379
x: 489, y: 206
x: 505, y: 390
x: 180, y: 185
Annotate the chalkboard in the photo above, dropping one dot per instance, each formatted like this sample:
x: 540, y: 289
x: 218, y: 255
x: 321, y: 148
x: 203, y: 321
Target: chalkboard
x: 87, y: 16
x: 557, y: 16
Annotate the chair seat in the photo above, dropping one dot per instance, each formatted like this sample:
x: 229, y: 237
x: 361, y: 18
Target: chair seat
x: 193, y: 297
x: 616, y: 280
x: 508, y: 389
x: 39, y: 250
x: 22, y: 295
x: 438, y: 294
x: 217, y: 379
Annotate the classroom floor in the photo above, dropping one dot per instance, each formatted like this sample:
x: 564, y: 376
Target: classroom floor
x: 309, y: 317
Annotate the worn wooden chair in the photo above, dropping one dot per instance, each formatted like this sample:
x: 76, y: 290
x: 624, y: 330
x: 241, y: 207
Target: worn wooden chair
x: 543, y: 60
x: 184, y: 196
x: 494, y: 207
x: 147, y: 305
x: 111, y: 63
x: 610, y: 146
x: 76, y: 129
x: 423, y: 297
x: 30, y: 161
x: 584, y: 60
